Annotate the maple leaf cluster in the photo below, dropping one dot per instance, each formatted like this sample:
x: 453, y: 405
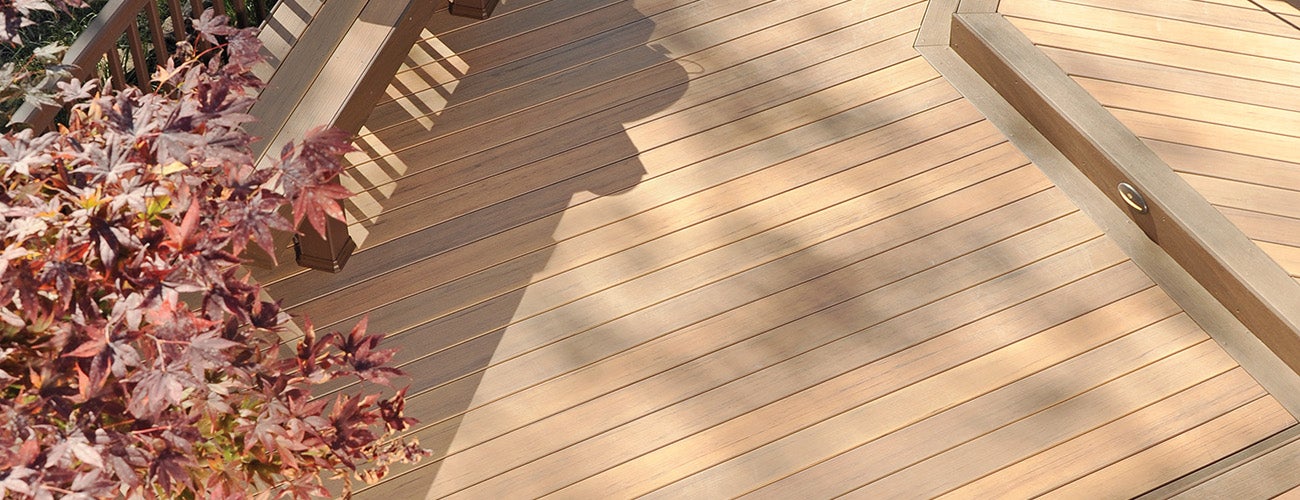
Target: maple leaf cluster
x: 135, y: 361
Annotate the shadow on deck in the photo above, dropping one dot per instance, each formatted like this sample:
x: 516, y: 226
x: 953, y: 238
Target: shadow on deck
x: 686, y: 248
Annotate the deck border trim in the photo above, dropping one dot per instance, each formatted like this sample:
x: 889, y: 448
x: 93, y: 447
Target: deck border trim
x: 1228, y: 285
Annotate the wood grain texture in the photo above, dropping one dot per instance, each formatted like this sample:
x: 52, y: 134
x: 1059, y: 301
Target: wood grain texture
x: 1162, y: 52
x: 1164, y: 28
x: 1250, y: 19
x: 891, y: 424
x: 1143, y: 470
x: 1120, y: 439
x: 303, y: 63
x: 683, y: 143
x: 1081, y: 63
x: 580, y: 119
x: 1053, y: 425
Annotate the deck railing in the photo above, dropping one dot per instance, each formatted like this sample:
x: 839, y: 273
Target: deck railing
x: 148, y: 41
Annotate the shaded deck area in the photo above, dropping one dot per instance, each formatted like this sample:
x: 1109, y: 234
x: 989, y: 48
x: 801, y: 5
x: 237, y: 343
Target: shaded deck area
x: 694, y: 249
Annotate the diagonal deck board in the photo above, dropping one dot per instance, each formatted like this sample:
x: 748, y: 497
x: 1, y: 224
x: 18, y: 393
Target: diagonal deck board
x: 1228, y: 397
x: 764, y: 253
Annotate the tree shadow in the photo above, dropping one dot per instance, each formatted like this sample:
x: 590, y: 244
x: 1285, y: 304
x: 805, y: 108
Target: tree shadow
x: 465, y: 171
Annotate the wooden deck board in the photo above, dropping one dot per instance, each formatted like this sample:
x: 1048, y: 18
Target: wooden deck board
x: 1162, y: 52
x: 1268, y: 476
x: 1162, y: 76
x: 656, y: 225
x: 1162, y: 27
x: 891, y: 423
x: 1236, y: 17
x: 1118, y: 440
x: 669, y: 247
x: 1138, y: 472
x: 1054, y: 425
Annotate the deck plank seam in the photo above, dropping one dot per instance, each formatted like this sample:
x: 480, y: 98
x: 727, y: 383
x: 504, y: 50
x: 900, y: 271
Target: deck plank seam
x: 558, y: 271
x: 719, y: 73
x: 1206, y: 147
x: 396, y: 238
x: 1118, y: 8
x: 469, y: 184
x: 268, y: 280
x: 1278, y: 373
x: 700, y: 192
x: 566, y: 46
x: 993, y: 243
x: 1278, y: 15
x: 954, y: 405
x: 1147, y: 85
x: 360, y: 250
x: 570, y: 45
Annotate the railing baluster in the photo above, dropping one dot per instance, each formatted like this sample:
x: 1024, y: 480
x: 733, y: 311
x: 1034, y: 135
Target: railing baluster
x: 196, y: 10
x: 241, y: 12
x: 178, y: 21
x: 101, y: 39
x: 219, y: 6
x: 160, y: 52
x: 115, y: 69
x: 138, y: 61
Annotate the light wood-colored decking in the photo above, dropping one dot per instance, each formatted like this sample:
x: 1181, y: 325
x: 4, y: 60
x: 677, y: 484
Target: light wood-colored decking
x: 1212, y: 87
x: 693, y: 249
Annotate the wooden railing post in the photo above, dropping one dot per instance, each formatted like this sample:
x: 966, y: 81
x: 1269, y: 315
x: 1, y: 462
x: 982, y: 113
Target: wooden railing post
x: 478, y: 9
x: 327, y: 253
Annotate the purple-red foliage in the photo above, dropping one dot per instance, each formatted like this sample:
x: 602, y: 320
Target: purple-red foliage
x: 15, y: 14
x: 134, y: 360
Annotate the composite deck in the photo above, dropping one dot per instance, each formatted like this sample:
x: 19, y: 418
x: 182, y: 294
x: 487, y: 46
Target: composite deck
x: 1211, y: 87
x: 700, y: 248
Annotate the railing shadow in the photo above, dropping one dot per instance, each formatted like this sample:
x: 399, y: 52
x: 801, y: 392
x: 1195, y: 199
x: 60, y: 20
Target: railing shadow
x: 462, y: 178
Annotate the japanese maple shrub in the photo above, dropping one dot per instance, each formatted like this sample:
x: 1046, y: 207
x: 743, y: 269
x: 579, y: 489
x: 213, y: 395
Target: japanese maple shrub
x: 135, y: 362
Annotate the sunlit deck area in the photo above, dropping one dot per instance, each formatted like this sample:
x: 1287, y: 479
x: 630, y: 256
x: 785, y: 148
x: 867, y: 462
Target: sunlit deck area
x: 1212, y: 87
x: 702, y: 249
